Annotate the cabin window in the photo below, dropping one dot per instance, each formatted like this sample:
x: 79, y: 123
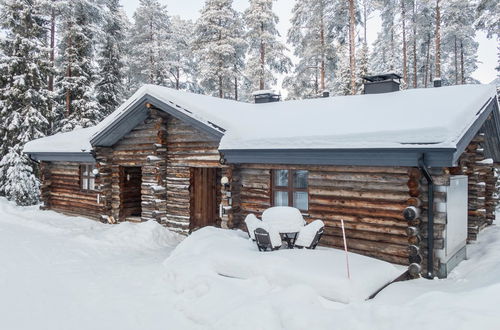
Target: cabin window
x: 290, y: 188
x: 87, y: 177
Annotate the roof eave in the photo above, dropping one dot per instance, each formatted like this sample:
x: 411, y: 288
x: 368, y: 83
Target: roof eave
x: 342, y: 157
x: 78, y: 157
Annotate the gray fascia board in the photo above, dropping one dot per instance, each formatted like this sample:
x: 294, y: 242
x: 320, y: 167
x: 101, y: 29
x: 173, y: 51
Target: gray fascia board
x: 466, y: 139
x: 122, y: 125
x: 138, y: 112
x: 78, y: 157
x: 185, y: 118
x: 342, y: 157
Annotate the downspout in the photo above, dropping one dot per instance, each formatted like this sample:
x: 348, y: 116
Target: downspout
x: 430, y: 216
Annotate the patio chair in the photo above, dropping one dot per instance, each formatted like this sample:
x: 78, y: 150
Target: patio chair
x: 310, y: 235
x: 267, y: 239
x: 252, y: 223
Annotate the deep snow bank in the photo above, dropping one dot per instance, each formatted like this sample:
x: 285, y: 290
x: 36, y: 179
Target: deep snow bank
x: 145, y: 235
x: 231, y: 253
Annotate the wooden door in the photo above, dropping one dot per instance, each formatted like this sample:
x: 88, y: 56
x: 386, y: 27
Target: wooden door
x: 204, y: 210
x: 131, y: 180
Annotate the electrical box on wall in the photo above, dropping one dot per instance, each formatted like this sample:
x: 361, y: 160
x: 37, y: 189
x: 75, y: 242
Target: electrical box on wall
x: 455, y: 234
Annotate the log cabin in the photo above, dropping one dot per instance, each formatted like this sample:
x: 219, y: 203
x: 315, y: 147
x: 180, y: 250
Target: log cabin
x: 411, y: 173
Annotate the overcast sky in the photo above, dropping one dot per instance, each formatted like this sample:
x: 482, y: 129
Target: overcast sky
x: 190, y: 9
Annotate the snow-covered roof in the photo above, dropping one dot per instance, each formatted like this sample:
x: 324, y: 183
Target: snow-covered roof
x: 435, y: 117
x: 77, y: 140
x: 432, y: 118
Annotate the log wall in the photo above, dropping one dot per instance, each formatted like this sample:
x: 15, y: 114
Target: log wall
x: 60, y: 191
x: 483, y: 196
x: 186, y: 147
x: 145, y: 147
x: 370, y: 200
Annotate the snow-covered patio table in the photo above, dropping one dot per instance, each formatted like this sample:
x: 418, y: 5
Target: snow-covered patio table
x: 285, y: 220
x: 230, y: 253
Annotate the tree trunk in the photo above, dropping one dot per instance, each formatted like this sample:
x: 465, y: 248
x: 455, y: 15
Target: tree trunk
x: 365, y: 13
x: 427, y: 61
x: 456, y: 60
x: 236, y: 88
x: 52, y: 46
x: 68, y: 75
x: 177, y: 78
x: 393, y: 53
x: 262, y: 59
x: 322, y: 67
x: 438, y: 40
x: 462, y: 65
x: 316, y: 82
x: 405, y: 60
x: 415, y: 44
x: 352, y: 47
x: 221, y: 94
x: 151, y: 55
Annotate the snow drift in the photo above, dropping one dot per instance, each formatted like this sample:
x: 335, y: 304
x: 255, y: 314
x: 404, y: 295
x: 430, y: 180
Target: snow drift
x: 230, y: 253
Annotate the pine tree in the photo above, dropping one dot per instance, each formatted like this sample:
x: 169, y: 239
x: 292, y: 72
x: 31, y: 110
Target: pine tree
x: 363, y: 63
x: 149, y: 45
x: 352, y: 46
x: 110, y: 87
x: 24, y: 71
x: 220, y: 48
x: 386, y: 49
x: 488, y: 20
x: 319, y: 28
x: 183, y: 65
x: 342, y: 81
x: 458, y: 44
x: 266, y: 53
x: 75, y: 87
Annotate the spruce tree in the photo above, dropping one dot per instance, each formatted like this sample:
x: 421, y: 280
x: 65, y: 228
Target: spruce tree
x: 110, y: 86
x: 149, y: 45
x: 266, y: 53
x: 75, y: 86
x: 220, y: 48
x: 24, y: 70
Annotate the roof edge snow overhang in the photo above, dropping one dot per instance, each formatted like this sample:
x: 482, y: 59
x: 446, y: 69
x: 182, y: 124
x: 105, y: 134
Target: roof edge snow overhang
x: 442, y: 157
x: 78, y: 157
x: 137, y: 112
x: 435, y: 157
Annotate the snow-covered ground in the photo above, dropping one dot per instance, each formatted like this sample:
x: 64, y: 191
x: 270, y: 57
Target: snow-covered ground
x: 59, y: 272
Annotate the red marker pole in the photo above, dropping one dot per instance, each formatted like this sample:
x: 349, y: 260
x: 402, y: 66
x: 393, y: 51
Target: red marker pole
x: 345, y: 249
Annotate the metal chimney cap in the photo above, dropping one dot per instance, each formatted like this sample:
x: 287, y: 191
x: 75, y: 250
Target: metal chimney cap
x: 381, y: 77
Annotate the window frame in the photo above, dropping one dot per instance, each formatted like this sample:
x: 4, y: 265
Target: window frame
x: 90, y: 175
x: 290, y: 189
